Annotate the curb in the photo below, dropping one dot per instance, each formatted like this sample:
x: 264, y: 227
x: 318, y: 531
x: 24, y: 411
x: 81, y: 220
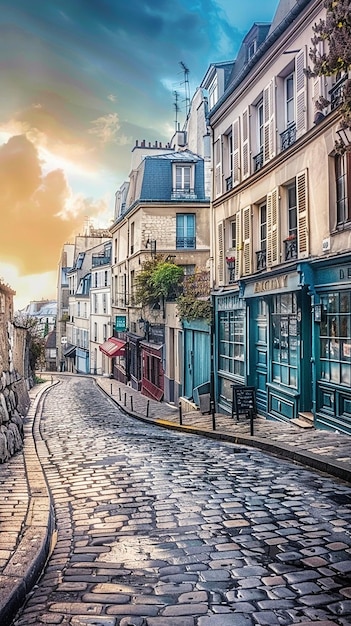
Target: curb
x: 305, y: 458
x: 35, y: 544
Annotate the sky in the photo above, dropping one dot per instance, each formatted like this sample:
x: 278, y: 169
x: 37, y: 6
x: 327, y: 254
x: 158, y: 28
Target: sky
x: 81, y: 81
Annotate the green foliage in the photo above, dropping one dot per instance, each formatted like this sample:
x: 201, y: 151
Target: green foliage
x: 335, y: 34
x: 191, y: 308
x: 158, y: 279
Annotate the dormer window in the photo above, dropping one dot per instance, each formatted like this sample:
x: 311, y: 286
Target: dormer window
x: 251, y: 49
x: 183, y: 181
x: 213, y: 93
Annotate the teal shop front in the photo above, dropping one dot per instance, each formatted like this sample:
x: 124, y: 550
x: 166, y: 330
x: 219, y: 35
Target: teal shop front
x: 229, y: 346
x: 279, y: 345
x: 332, y: 320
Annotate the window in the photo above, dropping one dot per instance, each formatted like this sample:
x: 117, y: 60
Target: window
x: 105, y: 332
x: 132, y: 238
x: 289, y: 100
x: 261, y: 261
x: 258, y: 159
x: 105, y: 279
x: 231, y: 342
x: 285, y: 339
x: 292, y: 211
x: 185, y: 231
x: 251, y: 49
x: 335, y: 337
x: 104, y: 302
x: 95, y: 303
x: 233, y: 235
x: 95, y: 332
x: 343, y: 188
x: 213, y: 93
x: 183, y: 177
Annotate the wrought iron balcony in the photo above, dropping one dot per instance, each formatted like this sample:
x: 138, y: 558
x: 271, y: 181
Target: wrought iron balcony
x: 183, y: 194
x: 336, y: 92
x: 261, y: 260
x: 290, y: 245
x: 185, y: 243
x: 258, y: 161
x: 288, y: 137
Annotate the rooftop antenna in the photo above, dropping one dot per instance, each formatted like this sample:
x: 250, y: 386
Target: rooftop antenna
x: 176, y: 108
x: 186, y: 87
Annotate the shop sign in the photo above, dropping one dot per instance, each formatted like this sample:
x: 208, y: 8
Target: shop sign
x: 271, y: 284
x: 345, y: 273
x: 120, y: 323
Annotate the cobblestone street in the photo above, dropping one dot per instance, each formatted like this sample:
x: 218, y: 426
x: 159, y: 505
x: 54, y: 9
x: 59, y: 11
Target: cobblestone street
x: 160, y: 528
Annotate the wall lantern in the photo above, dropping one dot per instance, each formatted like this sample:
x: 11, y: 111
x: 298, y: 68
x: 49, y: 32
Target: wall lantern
x: 344, y: 134
x: 317, y: 312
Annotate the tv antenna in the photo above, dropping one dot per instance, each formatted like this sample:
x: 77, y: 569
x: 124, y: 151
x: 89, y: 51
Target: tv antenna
x: 186, y: 87
x: 176, y: 108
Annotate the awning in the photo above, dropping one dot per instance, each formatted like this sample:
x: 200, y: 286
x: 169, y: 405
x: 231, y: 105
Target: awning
x: 70, y: 351
x: 113, y: 347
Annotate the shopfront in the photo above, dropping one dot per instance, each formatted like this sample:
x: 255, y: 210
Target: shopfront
x: 279, y: 345
x: 230, y: 329
x: 332, y: 315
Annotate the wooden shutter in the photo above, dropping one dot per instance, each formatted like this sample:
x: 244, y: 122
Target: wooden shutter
x: 236, y: 152
x: 301, y: 93
x: 218, y: 167
x: 273, y: 236
x: 220, y: 256
x: 302, y: 215
x: 247, y: 245
x: 245, y: 147
x: 269, y: 122
x: 239, y: 246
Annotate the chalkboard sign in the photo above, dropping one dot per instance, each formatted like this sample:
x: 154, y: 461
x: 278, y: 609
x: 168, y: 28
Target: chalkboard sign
x: 244, y: 402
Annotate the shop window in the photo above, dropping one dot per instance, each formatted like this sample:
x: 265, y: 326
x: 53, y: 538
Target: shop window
x: 285, y: 336
x: 231, y: 342
x: 335, y: 337
x: 343, y: 188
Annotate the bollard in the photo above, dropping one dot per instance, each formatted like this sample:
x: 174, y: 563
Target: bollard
x: 213, y: 415
x: 251, y: 415
x: 119, y: 394
x: 131, y: 403
x: 147, y: 408
x: 111, y: 390
x: 52, y: 380
x: 180, y: 414
x: 125, y: 399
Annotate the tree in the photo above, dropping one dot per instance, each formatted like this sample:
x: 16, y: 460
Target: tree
x: 157, y: 280
x: 335, y: 31
x: 35, y: 340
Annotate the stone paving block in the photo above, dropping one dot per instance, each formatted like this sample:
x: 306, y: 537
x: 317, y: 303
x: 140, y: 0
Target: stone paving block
x: 234, y: 619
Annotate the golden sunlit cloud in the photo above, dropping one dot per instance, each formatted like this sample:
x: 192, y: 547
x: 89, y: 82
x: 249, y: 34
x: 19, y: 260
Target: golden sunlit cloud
x: 106, y: 128
x: 39, y: 210
x: 27, y: 288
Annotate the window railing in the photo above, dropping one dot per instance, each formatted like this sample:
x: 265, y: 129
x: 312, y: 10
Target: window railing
x: 288, y: 137
x: 336, y: 92
x: 258, y: 161
x: 183, y: 194
x: 98, y: 259
x: 185, y: 242
x: 261, y: 260
x: 229, y: 183
x: 290, y: 245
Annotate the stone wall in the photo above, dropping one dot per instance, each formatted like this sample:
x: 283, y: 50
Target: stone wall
x: 14, y: 382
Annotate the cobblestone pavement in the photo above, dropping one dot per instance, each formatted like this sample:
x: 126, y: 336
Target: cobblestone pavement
x: 155, y: 528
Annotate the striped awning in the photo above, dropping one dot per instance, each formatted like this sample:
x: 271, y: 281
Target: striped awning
x: 113, y: 347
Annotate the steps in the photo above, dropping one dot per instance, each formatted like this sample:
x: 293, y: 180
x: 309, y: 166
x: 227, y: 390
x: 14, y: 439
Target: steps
x: 304, y: 420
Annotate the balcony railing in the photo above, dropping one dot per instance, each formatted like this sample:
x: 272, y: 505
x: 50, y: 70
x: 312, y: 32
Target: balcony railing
x: 185, y: 242
x: 100, y: 259
x: 183, y: 194
x: 258, y: 161
x: 261, y: 260
x: 288, y: 137
x: 229, y: 183
x: 290, y: 245
x: 336, y: 92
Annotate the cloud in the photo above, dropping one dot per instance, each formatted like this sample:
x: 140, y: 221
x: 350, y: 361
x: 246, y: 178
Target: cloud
x: 39, y: 210
x: 106, y: 128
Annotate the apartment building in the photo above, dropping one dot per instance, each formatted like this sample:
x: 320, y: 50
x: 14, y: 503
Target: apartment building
x: 281, y: 226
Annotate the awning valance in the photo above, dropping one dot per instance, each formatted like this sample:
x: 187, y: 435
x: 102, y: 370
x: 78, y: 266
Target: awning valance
x: 70, y: 351
x: 113, y: 347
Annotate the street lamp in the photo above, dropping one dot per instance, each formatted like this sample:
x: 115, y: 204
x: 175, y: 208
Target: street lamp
x: 344, y: 134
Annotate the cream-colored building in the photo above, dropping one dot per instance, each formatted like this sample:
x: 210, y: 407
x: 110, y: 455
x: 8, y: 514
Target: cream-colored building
x: 281, y: 226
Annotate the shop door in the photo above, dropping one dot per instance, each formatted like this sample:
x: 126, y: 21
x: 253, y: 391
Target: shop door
x: 258, y: 348
x: 197, y: 370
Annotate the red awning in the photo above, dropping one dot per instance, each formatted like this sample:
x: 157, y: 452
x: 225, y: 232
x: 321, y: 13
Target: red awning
x: 113, y: 347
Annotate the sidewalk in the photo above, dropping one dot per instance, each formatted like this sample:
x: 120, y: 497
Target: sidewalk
x: 26, y: 513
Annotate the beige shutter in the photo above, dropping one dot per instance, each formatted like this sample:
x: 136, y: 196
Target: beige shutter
x: 318, y: 81
x: 301, y: 93
x: 239, y: 246
x: 269, y: 133
x: 273, y: 236
x: 247, y: 246
x: 245, y: 148
x: 236, y: 152
x: 220, y: 257
x: 302, y: 215
x: 218, y: 167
